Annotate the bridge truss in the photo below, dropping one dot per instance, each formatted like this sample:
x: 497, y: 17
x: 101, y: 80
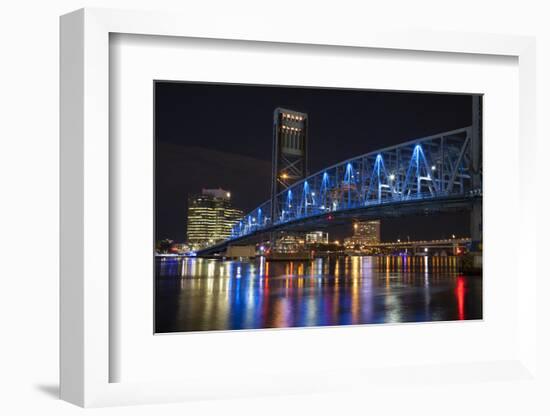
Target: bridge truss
x: 429, y: 168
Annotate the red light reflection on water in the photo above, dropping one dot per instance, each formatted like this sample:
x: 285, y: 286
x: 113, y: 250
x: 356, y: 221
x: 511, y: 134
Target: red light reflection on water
x: 460, y: 291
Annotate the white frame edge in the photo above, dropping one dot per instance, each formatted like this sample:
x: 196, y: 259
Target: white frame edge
x: 71, y: 346
x: 84, y: 154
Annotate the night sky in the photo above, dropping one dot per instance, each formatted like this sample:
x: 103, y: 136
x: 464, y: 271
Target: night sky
x: 219, y: 135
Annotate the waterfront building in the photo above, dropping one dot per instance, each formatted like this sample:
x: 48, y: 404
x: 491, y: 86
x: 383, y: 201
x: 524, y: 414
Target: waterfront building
x: 210, y: 217
x: 365, y: 233
x: 317, y: 237
x: 180, y: 248
x: 290, y: 243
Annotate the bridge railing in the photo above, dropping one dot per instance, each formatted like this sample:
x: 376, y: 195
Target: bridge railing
x: 432, y: 167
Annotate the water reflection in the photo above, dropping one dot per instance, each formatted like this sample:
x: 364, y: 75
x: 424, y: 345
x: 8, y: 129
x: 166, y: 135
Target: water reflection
x: 196, y: 294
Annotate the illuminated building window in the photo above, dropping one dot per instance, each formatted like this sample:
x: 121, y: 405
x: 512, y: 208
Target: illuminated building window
x: 210, y: 217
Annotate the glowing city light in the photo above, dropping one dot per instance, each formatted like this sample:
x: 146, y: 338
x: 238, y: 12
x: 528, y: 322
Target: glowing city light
x: 289, y: 198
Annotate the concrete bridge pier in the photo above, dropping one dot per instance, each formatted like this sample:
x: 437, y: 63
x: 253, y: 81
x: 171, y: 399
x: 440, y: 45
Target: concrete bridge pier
x: 234, y: 251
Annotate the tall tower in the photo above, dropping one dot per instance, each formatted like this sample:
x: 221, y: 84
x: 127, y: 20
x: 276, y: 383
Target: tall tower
x: 289, y: 153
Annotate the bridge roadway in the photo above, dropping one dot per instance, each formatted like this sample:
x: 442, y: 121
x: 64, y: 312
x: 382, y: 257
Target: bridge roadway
x: 442, y: 243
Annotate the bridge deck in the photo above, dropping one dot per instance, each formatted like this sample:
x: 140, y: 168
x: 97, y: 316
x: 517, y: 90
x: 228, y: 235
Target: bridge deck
x: 317, y: 222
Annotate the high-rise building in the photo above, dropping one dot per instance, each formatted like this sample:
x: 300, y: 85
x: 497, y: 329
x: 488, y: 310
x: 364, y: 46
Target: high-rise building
x: 365, y: 233
x: 210, y: 217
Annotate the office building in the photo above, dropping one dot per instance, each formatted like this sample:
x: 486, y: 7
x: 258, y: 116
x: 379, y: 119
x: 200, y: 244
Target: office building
x: 317, y: 237
x: 210, y: 217
x: 289, y: 242
x: 365, y: 233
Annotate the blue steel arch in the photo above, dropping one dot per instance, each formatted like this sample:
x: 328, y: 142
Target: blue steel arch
x: 432, y: 167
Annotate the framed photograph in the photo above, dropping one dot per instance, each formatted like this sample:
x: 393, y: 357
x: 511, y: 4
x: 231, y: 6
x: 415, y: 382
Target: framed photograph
x: 238, y: 208
x: 344, y: 221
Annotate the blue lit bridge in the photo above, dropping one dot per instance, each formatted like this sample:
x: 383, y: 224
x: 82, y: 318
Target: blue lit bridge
x: 440, y: 173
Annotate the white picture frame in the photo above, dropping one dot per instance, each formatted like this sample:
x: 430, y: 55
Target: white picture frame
x: 85, y: 211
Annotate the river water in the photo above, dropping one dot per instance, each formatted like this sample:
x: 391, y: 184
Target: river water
x: 193, y: 294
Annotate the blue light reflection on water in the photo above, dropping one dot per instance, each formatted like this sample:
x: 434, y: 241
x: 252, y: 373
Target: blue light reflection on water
x: 194, y: 294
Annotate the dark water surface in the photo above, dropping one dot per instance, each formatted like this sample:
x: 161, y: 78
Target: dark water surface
x: 201, y: 294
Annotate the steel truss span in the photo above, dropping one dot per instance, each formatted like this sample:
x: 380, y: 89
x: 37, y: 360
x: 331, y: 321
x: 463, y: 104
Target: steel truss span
x: 433, y: 168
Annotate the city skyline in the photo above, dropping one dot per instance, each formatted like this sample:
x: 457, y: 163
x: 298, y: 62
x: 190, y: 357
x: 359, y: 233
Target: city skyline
x: 344, y: 233
x: 184, y: 151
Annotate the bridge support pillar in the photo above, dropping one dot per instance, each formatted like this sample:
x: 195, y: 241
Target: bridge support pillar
x: 240, y: 251
x: 476, y: 225
x: 476, y: 170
